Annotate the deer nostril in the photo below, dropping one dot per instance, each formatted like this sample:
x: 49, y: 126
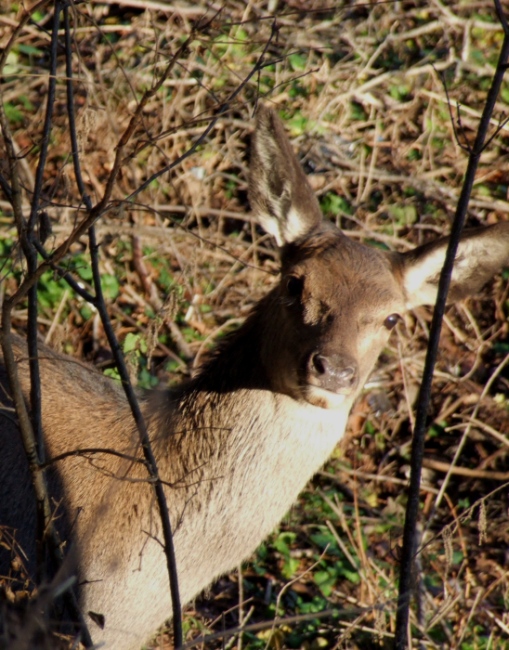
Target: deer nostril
x: 319, y: 364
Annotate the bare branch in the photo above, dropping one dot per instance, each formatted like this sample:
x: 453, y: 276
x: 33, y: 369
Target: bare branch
x: 30, y: 426
x: 410, y: 542
x: 220, y: 111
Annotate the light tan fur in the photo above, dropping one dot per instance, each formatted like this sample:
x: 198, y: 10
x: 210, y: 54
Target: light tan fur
x: 236, y: 444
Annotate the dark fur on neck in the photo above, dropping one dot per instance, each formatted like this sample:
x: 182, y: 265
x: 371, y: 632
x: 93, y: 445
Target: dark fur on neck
x: 235, y: 362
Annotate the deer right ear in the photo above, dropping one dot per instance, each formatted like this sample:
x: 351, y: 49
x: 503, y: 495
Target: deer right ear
x: 482, y: 252
x: 279, y: 192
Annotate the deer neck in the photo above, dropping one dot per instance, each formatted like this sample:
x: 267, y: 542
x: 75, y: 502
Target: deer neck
x: 239, y: 440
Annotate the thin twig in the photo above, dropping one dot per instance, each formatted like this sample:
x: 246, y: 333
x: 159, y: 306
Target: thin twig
x: 45, y: 520
x: 280, y: 622
x: 100, y: 304
x: 417, y: 454
x: 260, y: 63
x: 30, y: 251
x: 151, y: 463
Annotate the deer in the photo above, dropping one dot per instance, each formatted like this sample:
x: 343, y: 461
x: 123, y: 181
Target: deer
x: 237, y: 442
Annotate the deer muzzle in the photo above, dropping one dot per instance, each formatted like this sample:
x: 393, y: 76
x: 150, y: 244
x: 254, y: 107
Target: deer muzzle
x: 337, y: 373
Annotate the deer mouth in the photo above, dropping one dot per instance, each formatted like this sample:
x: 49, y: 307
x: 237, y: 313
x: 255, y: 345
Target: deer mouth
x: 323, y: 398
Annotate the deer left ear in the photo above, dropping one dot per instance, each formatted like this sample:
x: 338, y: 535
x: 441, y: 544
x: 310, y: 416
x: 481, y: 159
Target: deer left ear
x: 481, y: 253
x: 279, y: 192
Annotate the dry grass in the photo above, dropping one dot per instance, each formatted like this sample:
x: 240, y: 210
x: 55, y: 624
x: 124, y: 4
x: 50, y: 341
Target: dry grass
x: 367, y: 92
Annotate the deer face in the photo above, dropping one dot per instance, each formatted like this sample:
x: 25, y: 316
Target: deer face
x: 335, y: 307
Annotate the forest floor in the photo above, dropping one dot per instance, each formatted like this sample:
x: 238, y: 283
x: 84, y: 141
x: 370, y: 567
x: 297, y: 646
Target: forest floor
x: 381, y: 102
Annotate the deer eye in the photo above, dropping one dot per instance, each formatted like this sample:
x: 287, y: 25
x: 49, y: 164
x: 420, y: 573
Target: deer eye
x: 391, y: 321
x: 294, y: 286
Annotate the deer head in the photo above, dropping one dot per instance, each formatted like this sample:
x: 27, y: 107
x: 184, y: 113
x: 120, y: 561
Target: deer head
x: 338, y: 300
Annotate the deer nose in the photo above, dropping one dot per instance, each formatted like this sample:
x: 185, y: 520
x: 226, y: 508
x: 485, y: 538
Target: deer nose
x: 335, y: 372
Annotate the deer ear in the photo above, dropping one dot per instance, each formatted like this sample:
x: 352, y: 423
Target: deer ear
x: 279, y: 192
x: 481, y: 253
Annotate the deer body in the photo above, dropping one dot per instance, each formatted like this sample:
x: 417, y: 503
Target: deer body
x: 236, y: 444
x: 214, y: 472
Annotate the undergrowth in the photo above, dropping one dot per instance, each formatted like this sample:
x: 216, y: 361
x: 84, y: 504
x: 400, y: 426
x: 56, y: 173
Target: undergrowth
x: 381, y: 101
